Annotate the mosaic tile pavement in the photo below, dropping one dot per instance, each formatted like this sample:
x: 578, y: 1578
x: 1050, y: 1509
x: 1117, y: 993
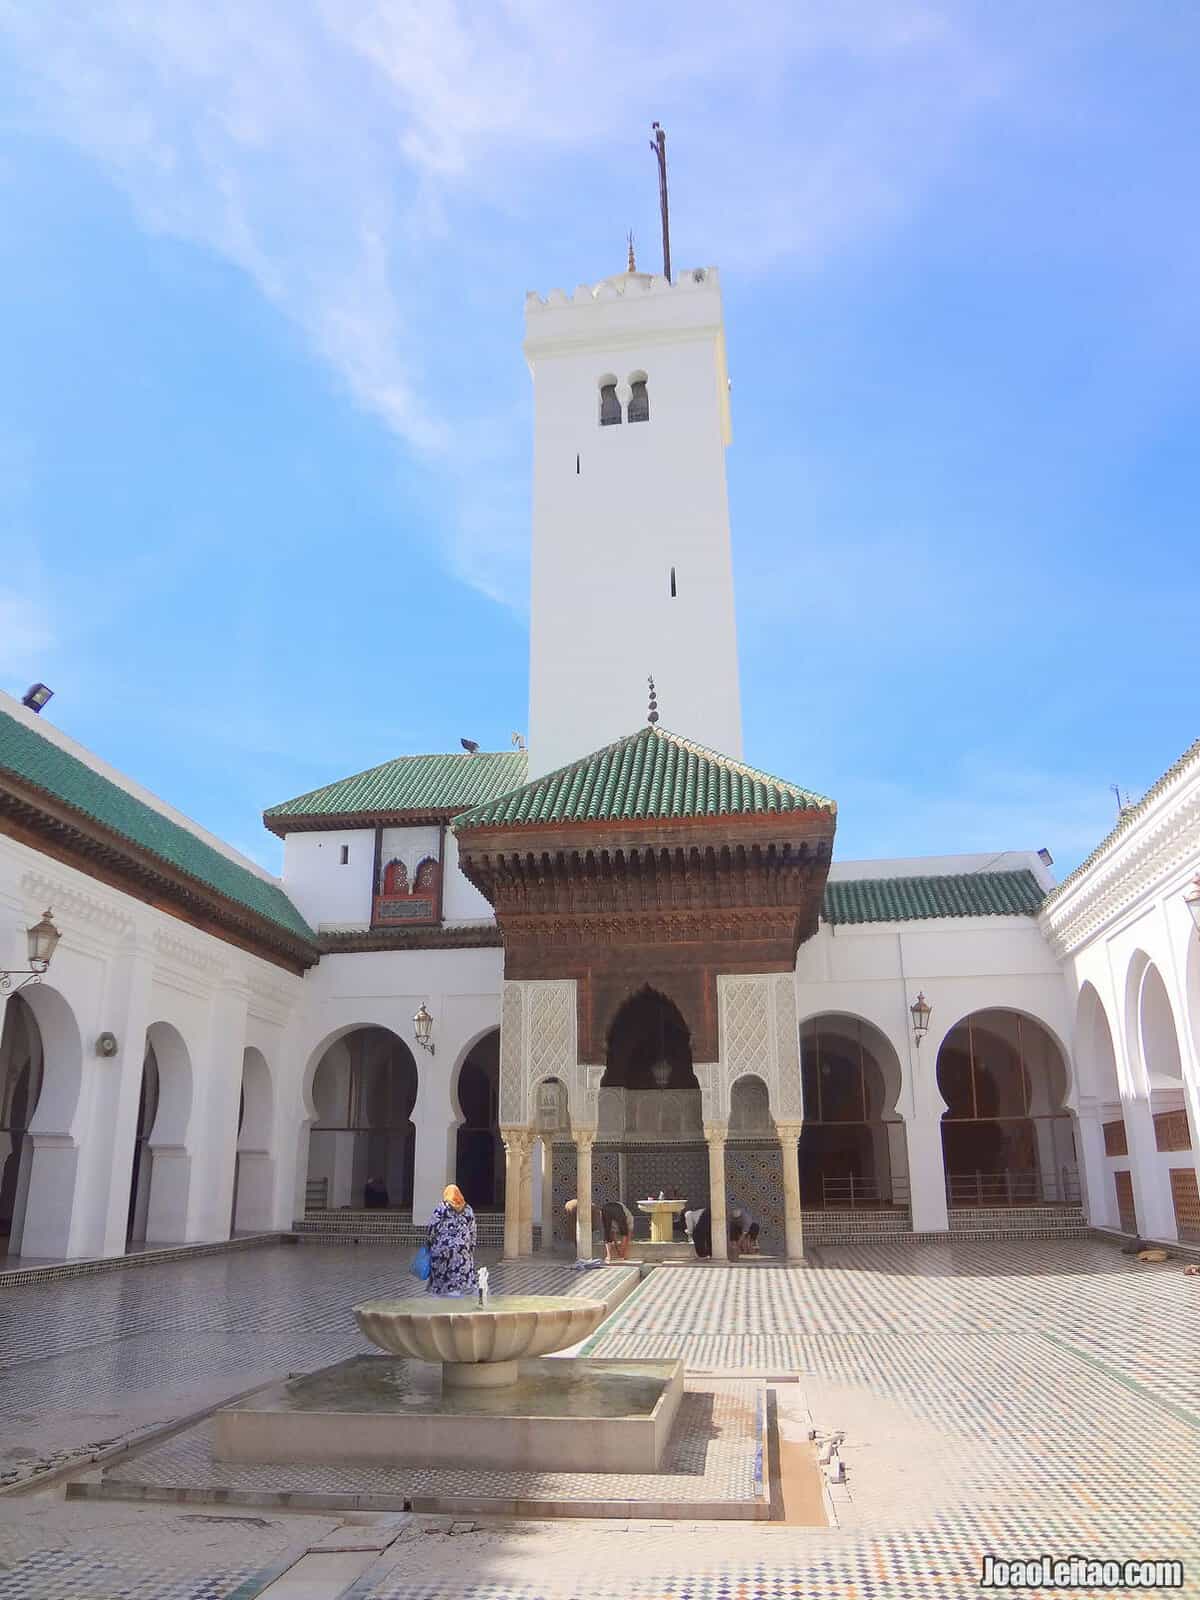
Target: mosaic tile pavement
x: 713, y: 1457
x: 1017, y: 1399
x: 88, y: 1553
x: 92, y: 1362
x: 1023, y: 1398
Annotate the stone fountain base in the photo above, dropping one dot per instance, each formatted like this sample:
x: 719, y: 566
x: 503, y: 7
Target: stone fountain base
x: 560, y: 1415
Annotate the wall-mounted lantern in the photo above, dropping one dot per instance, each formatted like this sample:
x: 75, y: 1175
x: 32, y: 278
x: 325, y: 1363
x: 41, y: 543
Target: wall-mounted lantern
x: 1192, y: 900
x: 41, y: 942
x: 106, y: 1044
x: 921, y: 1012
x: 423, y: 1027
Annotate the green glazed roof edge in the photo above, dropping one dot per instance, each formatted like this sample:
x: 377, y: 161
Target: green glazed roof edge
x: 436, y: 781
x: 1128, y: 817
x: 965, y: 894
x: 649, y: 774
x: 39, y: 762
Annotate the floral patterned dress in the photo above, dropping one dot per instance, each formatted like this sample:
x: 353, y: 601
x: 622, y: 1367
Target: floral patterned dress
x: 451, y: 1250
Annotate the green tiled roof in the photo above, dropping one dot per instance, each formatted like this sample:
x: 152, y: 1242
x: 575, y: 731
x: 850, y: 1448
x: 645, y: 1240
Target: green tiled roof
x: 42, y: 765
x: 649, y: 774
x: 960, y: 894
x: 409, y: 783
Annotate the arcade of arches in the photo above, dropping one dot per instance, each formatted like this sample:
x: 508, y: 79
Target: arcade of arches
x: 364, y: 1091
x: 479, y: 1155
x: 1006, y: 1133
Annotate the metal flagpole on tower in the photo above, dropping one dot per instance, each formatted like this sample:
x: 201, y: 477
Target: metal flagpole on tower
x: 659, y: 145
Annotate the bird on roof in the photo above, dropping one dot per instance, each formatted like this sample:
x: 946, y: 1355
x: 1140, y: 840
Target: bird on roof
x: 469, y: 745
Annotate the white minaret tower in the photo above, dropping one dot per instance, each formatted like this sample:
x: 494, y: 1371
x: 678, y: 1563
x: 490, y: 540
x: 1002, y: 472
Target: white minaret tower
x: 632, y: 573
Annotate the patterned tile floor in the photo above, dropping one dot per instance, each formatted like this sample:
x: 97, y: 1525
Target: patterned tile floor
x: 713, y: 1456
x: 90, y: 1362
x: 1015, y: 1398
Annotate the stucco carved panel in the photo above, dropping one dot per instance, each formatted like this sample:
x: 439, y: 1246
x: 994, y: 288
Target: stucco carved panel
x: 512, y: 1055
x: 537, y: 1041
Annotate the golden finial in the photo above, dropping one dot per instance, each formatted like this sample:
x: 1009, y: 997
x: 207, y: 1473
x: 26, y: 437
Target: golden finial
x: 632, y: 267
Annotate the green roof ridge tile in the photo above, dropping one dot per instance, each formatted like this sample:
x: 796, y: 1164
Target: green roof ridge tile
x: 651, y: 773
x: 971, y: 894
x: 445, y: 781
x: 37, y: 761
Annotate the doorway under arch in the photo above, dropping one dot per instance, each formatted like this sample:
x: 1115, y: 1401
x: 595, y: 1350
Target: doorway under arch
x: 21, y: 1068
x: 479, y: 1159
x: 851, y: 1081
x: 1006, y: 1133
x: 364, y: 1091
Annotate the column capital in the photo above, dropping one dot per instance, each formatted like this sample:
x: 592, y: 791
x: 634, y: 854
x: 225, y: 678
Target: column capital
x: 518, y: 1140
x: 789, y: 1132
x: 716, y: 1132
x: 583, y: 1138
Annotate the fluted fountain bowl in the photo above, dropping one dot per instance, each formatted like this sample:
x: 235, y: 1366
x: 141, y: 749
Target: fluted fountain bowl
x: 479, y: 1346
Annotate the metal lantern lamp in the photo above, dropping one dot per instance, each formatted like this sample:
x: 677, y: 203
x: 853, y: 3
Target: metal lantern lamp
x: 423, y: 1027
x: 921, y: 1012
x: 1192, y: 900
x: 41, y: 942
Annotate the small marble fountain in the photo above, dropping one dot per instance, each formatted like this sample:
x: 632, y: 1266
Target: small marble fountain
x: 662, y: 1245
x: 467, y: 1382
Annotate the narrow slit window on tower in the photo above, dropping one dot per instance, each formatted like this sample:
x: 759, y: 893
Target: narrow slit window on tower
x: 672, y: 583
x: 639, y: 401
x: 345, y: 855
x: 610, y: 406
x: 576, y: 466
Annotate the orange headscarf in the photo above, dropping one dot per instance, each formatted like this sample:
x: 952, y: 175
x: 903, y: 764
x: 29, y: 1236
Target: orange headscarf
x: 453, y: 1196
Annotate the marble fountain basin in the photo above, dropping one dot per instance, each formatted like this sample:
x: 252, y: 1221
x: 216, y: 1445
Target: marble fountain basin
x: 497, y: 1403
x: 479, y: 1346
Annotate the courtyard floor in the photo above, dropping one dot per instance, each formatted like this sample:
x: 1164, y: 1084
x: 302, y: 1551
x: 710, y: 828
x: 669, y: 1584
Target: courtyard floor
x: 1018, y: 1399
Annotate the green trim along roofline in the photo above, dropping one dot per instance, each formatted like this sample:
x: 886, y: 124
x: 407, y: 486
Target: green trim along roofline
x: 43, y: 766
x: 959, y: 894
x: 407, y: 786
x: 1129, y: 815
x: 651, y: 774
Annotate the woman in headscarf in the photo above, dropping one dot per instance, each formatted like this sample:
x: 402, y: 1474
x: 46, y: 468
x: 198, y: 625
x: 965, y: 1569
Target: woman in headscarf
x: 451, y: 1241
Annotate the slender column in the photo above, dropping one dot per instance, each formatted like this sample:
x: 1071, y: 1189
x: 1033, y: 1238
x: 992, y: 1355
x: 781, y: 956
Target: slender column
x: 793, y: 1220
x: 1151, y: 1186
x: 1099, y: 1194
x: 926, y: 1175
x: 583, y: 1193
x: 514, y: 1161
x: 715, y: 1135
x: 527, y: 1197
x: 547, y: 1194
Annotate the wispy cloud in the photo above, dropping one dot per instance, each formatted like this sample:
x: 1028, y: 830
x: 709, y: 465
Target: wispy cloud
x: 25, y: 631
x: 328, y: 147
x: 979, y: 804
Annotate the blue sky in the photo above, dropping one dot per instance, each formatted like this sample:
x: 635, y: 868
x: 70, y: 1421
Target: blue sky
x: 264, y: 420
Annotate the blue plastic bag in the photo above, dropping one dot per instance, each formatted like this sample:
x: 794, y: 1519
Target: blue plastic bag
x: 419, y: 1266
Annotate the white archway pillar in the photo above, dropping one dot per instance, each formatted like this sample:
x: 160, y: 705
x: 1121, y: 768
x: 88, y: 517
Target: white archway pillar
x: 516, y: 1147
x: 1098, y: 1191
x: 793, y: 1216
x: 715, y: 1137
x: 584, y: 1139
x: 112, y: 1091
x: 1151, y: 1186
x: 526, y: 1235
x: 926, y: 1173
x: 213, y: 1131
x: 435, y: 1123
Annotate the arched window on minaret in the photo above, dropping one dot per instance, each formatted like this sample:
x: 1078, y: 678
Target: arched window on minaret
x: 610, y: 406
x: 639, y: 399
